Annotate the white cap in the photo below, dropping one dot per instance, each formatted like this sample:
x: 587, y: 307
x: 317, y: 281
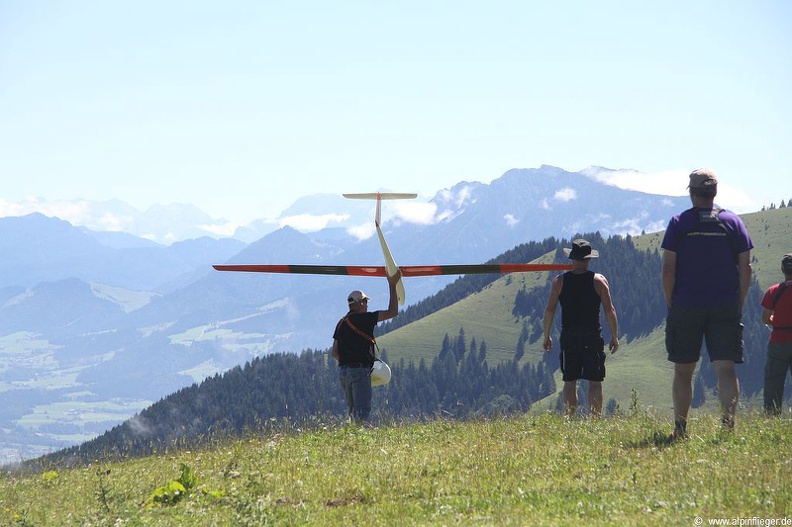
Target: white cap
x: 356, y: 296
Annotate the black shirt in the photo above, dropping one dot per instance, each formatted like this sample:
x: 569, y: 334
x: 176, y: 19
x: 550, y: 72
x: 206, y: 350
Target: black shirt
x: 580, y: 303
x: 354, y: 348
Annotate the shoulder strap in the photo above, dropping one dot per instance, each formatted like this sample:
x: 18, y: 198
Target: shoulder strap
x: 733, y: 241
x: 359, y: 332
x: 374, y: 348
x: 714, y: 217
x: 782, y: 287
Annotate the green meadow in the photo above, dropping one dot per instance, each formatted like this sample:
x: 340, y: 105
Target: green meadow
x: 532, y: 469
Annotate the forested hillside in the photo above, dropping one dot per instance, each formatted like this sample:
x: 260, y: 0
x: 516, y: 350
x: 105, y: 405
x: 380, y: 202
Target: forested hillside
x: 289, y: 389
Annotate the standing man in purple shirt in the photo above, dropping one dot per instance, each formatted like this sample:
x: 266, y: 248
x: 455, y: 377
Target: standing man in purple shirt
x: 706, y: 275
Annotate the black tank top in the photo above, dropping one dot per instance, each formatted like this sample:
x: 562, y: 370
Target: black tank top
x: 580, y: 303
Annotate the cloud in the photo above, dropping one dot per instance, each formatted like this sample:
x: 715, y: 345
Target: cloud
x: 221, y: 229
x: 457, y: 198
x: 416, y: 213
x: 75, y: 212
x: 511, y: 221
x: 138, y: 426
x: 362, y: 232
x: 670, y: 183
x: 311, y: 222
x: 735, y: 199
x: 666, y: 183
x: 565, y: 194
x: 451, y: 203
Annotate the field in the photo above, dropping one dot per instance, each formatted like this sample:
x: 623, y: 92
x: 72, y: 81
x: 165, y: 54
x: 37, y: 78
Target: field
x: 534, y: 469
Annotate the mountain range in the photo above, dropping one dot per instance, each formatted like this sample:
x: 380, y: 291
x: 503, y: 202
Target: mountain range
x: 95, y: 326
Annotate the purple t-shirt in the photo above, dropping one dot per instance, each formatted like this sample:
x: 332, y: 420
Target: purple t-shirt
x: 706, y: 243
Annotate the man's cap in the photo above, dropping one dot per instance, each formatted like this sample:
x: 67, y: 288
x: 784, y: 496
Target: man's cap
x: 786, y: 263
x: 356, y: 296
x: 703, y: 178
x: 581, y: 250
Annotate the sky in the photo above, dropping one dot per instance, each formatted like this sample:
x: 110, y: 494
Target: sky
x: 241, y: 107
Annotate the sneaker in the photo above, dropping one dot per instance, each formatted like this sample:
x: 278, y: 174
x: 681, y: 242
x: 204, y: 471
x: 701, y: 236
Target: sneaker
x: 680, y: 431
x: 727, y: 423
x: 676, y: 435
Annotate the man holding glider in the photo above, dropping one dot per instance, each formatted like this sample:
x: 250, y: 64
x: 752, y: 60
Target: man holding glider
x: 581, y: 292
x: 353, y: 348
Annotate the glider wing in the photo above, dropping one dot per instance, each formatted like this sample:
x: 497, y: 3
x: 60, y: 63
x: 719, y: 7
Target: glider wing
x: 407, y: 270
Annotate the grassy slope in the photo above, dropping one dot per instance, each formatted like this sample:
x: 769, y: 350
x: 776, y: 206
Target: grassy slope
x: 525, y: 470
x: 640, y: 365
x: 486, y: 315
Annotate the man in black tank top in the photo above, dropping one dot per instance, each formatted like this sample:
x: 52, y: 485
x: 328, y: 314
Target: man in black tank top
x: 581, y: 292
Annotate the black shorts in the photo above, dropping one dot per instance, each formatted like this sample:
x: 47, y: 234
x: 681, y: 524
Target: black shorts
x: 582, y: 356
x: 719, y: 327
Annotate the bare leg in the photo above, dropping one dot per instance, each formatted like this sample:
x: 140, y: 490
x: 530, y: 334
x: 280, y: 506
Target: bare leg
x: 570, y: 397
x: 595, y: 397
x: 682, y: 391
x: 728, y: 389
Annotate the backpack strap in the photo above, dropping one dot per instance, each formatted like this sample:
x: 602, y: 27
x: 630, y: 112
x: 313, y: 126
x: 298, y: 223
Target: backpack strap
x: 713, y: 216
x: 363, y: 334
x: 359, y: 332
x: 782, y: 287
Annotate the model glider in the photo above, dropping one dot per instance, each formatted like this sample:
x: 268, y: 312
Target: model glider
x: 390, y: 267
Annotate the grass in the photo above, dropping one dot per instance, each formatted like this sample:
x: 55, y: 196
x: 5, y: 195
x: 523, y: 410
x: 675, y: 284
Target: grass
x: 485, y: 315
x: 531, y: 469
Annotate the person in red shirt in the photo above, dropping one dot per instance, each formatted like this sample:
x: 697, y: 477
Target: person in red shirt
x: 777, y: 314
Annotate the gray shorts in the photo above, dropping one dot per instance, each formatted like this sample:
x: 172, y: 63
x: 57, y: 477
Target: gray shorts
x: 719, y: 327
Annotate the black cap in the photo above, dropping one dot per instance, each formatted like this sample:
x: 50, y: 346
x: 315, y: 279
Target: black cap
x: 581, y: 250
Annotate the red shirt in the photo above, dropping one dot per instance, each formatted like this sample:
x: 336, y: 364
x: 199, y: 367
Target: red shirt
x: 782, y: 312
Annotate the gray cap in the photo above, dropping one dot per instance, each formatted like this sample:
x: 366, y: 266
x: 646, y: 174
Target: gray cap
x: 703, y: 178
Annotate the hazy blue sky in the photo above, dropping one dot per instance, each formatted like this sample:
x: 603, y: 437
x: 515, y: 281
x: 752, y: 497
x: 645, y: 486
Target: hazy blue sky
x: 242, y: 106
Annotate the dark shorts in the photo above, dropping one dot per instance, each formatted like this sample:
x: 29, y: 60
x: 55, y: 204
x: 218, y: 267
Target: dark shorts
x: 719, y: 327
x: 582, y: 356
